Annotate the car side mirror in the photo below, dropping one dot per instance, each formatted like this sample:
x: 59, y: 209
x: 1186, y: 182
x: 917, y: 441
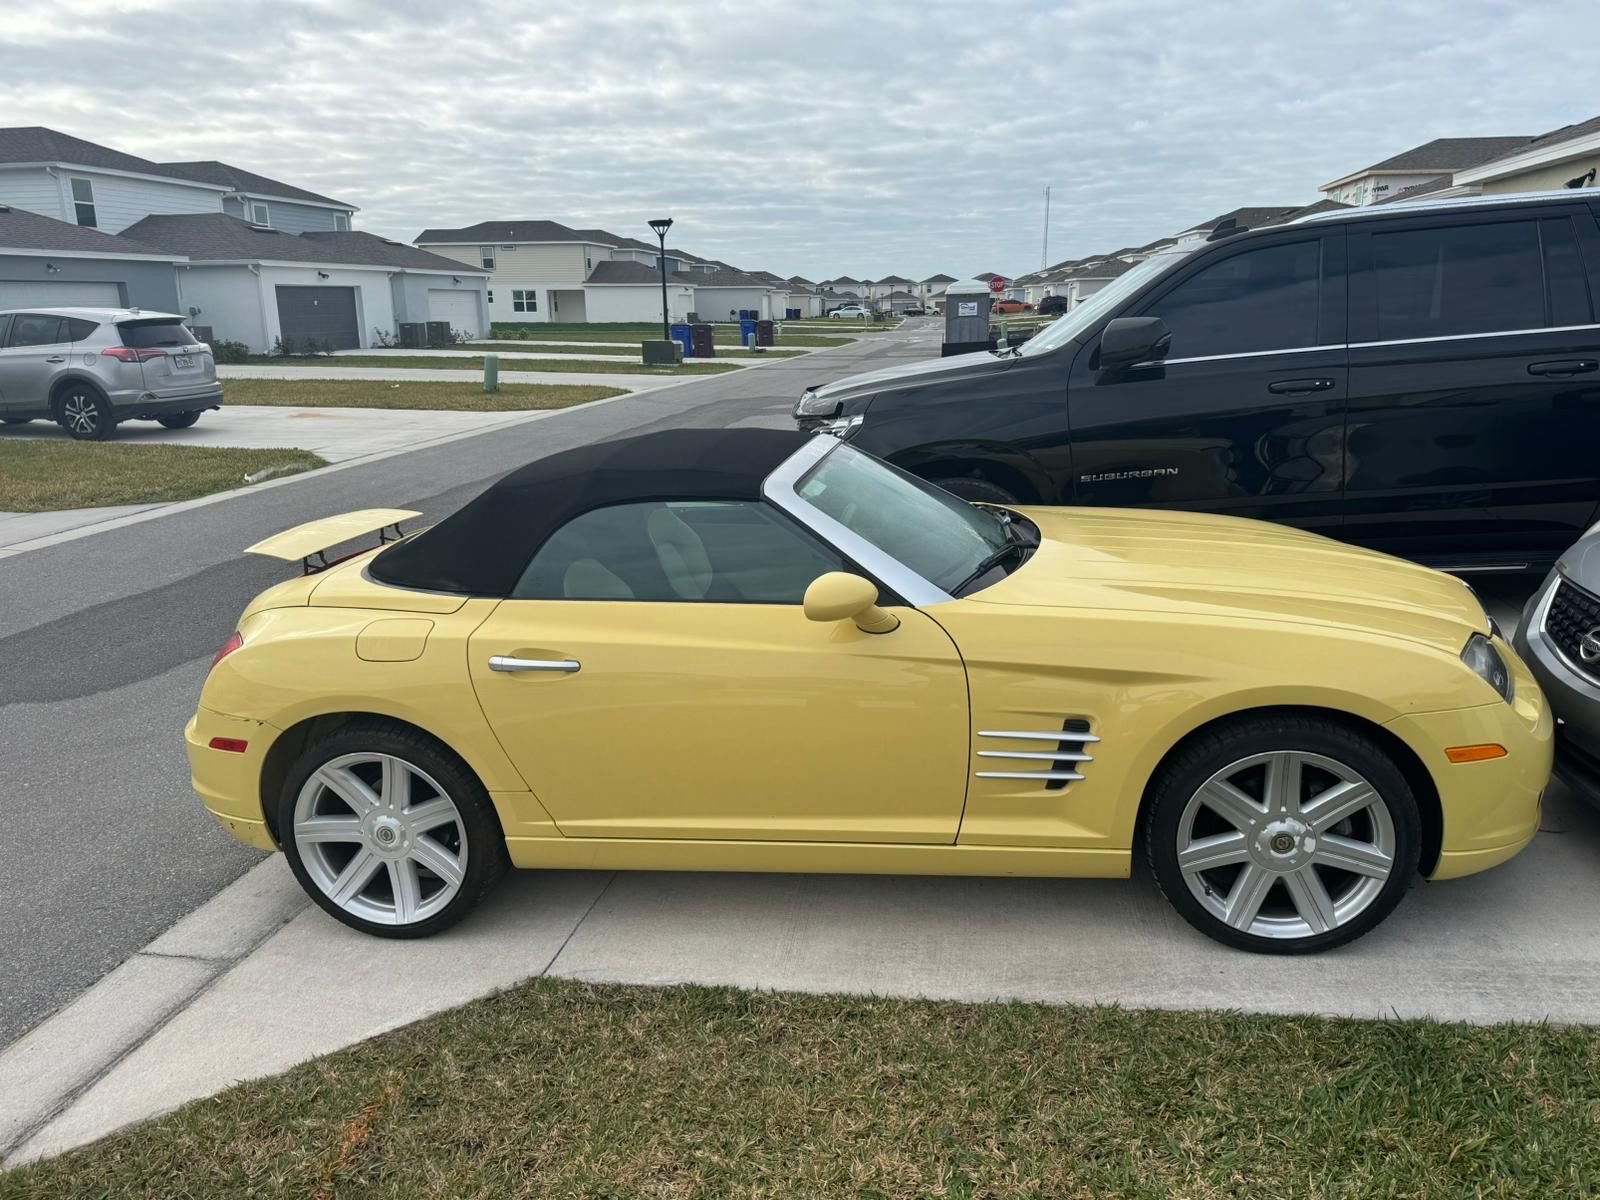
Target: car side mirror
x: 1128, y: 341
x: 838, y: 596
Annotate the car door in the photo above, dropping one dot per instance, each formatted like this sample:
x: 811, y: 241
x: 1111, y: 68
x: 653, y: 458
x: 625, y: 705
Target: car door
x: 36, y: 347
x: 1474, y: 417
x: 654, y: 676
x: 1245, y: 416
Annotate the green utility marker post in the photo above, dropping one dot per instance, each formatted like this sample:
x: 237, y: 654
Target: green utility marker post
x: 491, y: 374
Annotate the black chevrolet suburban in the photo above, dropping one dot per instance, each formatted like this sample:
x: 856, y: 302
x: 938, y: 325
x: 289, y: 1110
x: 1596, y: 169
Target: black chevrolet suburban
x: 1421, y: 378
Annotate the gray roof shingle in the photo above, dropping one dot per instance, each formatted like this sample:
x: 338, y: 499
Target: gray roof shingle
x: 240, y: 180
x: 626, y: 272
x: 939, y: 279
x: 21, y: 230
x: 204, y: 236
x: 1447, y: 154
x: 35, y: 143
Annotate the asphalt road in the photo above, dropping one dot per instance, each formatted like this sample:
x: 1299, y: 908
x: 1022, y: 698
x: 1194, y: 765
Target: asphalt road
x: 104, y: 642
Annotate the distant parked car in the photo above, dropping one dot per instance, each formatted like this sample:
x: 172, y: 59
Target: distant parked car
x: 1559, y: 638
x: 87, y: 369
x: 1052, y: 306
x: 914, y: 310
x: 850, y: 310
x: 1007, y: 308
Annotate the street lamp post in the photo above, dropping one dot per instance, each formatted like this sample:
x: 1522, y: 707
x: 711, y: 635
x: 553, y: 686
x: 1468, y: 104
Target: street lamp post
x: 661, y: 225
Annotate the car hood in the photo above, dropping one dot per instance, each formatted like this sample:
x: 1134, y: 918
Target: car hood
x: 1166, y: 561
x: 1580, y: 562
x: 956, y: 366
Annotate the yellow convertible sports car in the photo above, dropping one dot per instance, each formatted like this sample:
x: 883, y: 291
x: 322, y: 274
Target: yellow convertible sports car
x: 758, y: 650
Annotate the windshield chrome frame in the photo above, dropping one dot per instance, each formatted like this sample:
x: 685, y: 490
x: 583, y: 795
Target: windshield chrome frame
x: 1110, y: 297
x: 781, y: 489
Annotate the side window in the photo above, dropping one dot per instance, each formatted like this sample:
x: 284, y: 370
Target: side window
x: 29, y: 329
x: 83, y: 202
x: 715, y: 551
x: 260, y: 214
x: 78, y: 329
x: 1565, y: 281
x: 524, y: 301
x: 5, y: 328
x: 1458, y: 279
x: 1257, y: 300
x: 486, y: 257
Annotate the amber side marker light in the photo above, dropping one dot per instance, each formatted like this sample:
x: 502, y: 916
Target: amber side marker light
x: 1480, y: 753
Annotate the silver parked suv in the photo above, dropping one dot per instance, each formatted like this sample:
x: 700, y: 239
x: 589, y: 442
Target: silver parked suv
x: 89, y: 368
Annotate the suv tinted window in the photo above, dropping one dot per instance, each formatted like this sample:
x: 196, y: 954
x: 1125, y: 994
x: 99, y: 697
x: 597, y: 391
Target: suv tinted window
x: 1264, y: 299
x: 725, y: 551
x: 78, y: 329
x: 1570, y: 303
x: 31, y: 329
x: 1458, y: 279
x: 147, y: 334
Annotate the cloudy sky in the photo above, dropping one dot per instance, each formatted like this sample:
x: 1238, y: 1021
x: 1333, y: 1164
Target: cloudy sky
x: 821, y: 138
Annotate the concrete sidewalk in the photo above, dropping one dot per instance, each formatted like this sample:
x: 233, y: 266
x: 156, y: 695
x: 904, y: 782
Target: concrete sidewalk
x: 258, y: 979
x: 633, y: 383
x: 339, y: 435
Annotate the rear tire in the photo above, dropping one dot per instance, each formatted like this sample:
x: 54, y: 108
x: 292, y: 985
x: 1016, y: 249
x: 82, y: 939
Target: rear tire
x: 181, y: 420
x: 85, y: 413
x: 389, y: 831
x: 1283, y: 834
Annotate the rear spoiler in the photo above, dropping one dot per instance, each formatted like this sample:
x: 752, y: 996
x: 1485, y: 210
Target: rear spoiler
x: 309, y: 542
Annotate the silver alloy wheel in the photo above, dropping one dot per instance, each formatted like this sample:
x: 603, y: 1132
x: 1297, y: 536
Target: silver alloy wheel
x: 381, y: 838
x: 1286, y: 845
x: 81, y: 412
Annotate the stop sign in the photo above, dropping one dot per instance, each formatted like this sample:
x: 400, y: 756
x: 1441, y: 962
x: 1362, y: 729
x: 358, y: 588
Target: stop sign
x: 997, y: 284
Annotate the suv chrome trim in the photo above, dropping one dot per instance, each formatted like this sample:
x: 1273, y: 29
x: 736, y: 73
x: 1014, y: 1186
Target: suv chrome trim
x: 1422, y: 205
x: 780, y: 488
x: 1461, y: 337
x: 1246, y: 354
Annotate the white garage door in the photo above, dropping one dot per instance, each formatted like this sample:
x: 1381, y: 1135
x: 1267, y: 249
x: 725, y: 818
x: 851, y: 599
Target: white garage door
x: 51, y: 293
x: 459, y: 308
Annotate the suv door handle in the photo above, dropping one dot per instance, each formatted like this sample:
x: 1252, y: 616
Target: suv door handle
x: 54, y: 358
x: 1564, y: 366
x: 512, y: 665
x: 1299, y: 387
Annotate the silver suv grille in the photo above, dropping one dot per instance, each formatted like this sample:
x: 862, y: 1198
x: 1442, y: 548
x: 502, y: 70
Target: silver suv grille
x: 1060, y: 753
x: 1573, y: 612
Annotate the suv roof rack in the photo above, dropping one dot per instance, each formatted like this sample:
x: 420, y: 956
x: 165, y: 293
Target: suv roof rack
x: 1432, y: 204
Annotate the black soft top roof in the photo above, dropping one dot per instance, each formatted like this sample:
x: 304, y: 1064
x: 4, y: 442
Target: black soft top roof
x: 482, y: 549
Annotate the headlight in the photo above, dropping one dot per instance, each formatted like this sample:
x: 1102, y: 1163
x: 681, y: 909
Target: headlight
x: 1486, y: 663
x: 813, y: 405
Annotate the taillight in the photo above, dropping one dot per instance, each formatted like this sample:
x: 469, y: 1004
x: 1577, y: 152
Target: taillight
x: 228, y: 647
x: 130, y: 354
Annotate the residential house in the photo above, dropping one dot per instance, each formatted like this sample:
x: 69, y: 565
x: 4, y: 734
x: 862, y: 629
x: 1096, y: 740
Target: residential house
x: 1419, y: 165
x: 931, y: 289
x: 1248, y: 218
x: 621, y: 291
x: 99, y: 190
x: 44, y: 261
x: 1562, y: 158
x: 881, y: 289
x: 258, y: 286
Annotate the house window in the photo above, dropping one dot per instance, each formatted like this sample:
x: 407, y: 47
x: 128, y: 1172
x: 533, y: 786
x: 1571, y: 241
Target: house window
x: 524, y: 302
x: 491, y: 295
x: 486, y: 257
x: 341, y: 222
x: 83, y: 201
x: 259, y: 214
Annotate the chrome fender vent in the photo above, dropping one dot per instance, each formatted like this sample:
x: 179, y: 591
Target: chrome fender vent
x: 1063, y: 754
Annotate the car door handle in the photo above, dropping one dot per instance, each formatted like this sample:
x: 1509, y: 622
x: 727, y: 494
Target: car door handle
x: 501, y: 662
x: 54, y: 358
x: 1564, y: 366
x: 1299, y: 387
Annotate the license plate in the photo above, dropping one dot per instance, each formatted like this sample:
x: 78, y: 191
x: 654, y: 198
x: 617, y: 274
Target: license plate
x: 183, y: 361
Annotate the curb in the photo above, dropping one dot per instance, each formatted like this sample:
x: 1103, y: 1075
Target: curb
x: 57, y: 1061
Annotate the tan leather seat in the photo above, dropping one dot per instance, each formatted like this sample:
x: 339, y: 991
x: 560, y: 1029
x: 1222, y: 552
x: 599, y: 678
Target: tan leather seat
x: 681, y: 553
x: 589, y: 579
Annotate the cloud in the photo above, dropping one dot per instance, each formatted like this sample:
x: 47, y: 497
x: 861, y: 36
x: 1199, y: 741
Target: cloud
x: 816, y: 139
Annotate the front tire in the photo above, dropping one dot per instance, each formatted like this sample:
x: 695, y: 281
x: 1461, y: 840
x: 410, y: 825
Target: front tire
x: 389, y: 831
x: 180, y: 420
x: 1283, y: 834
x: 85, y: 413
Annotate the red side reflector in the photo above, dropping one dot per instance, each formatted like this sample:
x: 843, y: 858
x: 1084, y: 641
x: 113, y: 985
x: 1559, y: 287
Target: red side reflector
x: 1479, y: 753
x: 231, y: 745
x: 228, y: 647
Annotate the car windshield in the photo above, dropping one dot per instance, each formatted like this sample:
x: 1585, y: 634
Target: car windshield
x: 939, y: 536
x: 1076, y: 320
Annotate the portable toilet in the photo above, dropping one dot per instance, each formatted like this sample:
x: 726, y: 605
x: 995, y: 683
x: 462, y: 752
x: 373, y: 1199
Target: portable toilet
x: 966, y: 317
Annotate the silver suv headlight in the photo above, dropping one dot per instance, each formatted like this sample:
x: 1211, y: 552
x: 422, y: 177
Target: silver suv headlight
x: 1486, y: 663
x: 813, y: 405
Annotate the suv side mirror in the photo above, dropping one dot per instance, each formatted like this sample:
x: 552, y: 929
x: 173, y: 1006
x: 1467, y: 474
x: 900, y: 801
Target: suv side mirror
x: 839, y: 596
x: 1128, y: 341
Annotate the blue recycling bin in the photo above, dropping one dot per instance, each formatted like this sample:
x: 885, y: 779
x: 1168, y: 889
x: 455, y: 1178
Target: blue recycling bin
x: 747, y: 331
x: 684, y: 336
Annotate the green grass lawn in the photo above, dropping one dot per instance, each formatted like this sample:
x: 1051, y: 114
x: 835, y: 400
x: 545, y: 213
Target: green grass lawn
x: 425, y: 363
x: 566, y: 1090
x: 39, y: 475
x: 505, y: 347
x: 722, y: 335
x: 377, y: 393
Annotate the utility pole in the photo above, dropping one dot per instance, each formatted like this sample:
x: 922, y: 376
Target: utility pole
x: 1044, y: 255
